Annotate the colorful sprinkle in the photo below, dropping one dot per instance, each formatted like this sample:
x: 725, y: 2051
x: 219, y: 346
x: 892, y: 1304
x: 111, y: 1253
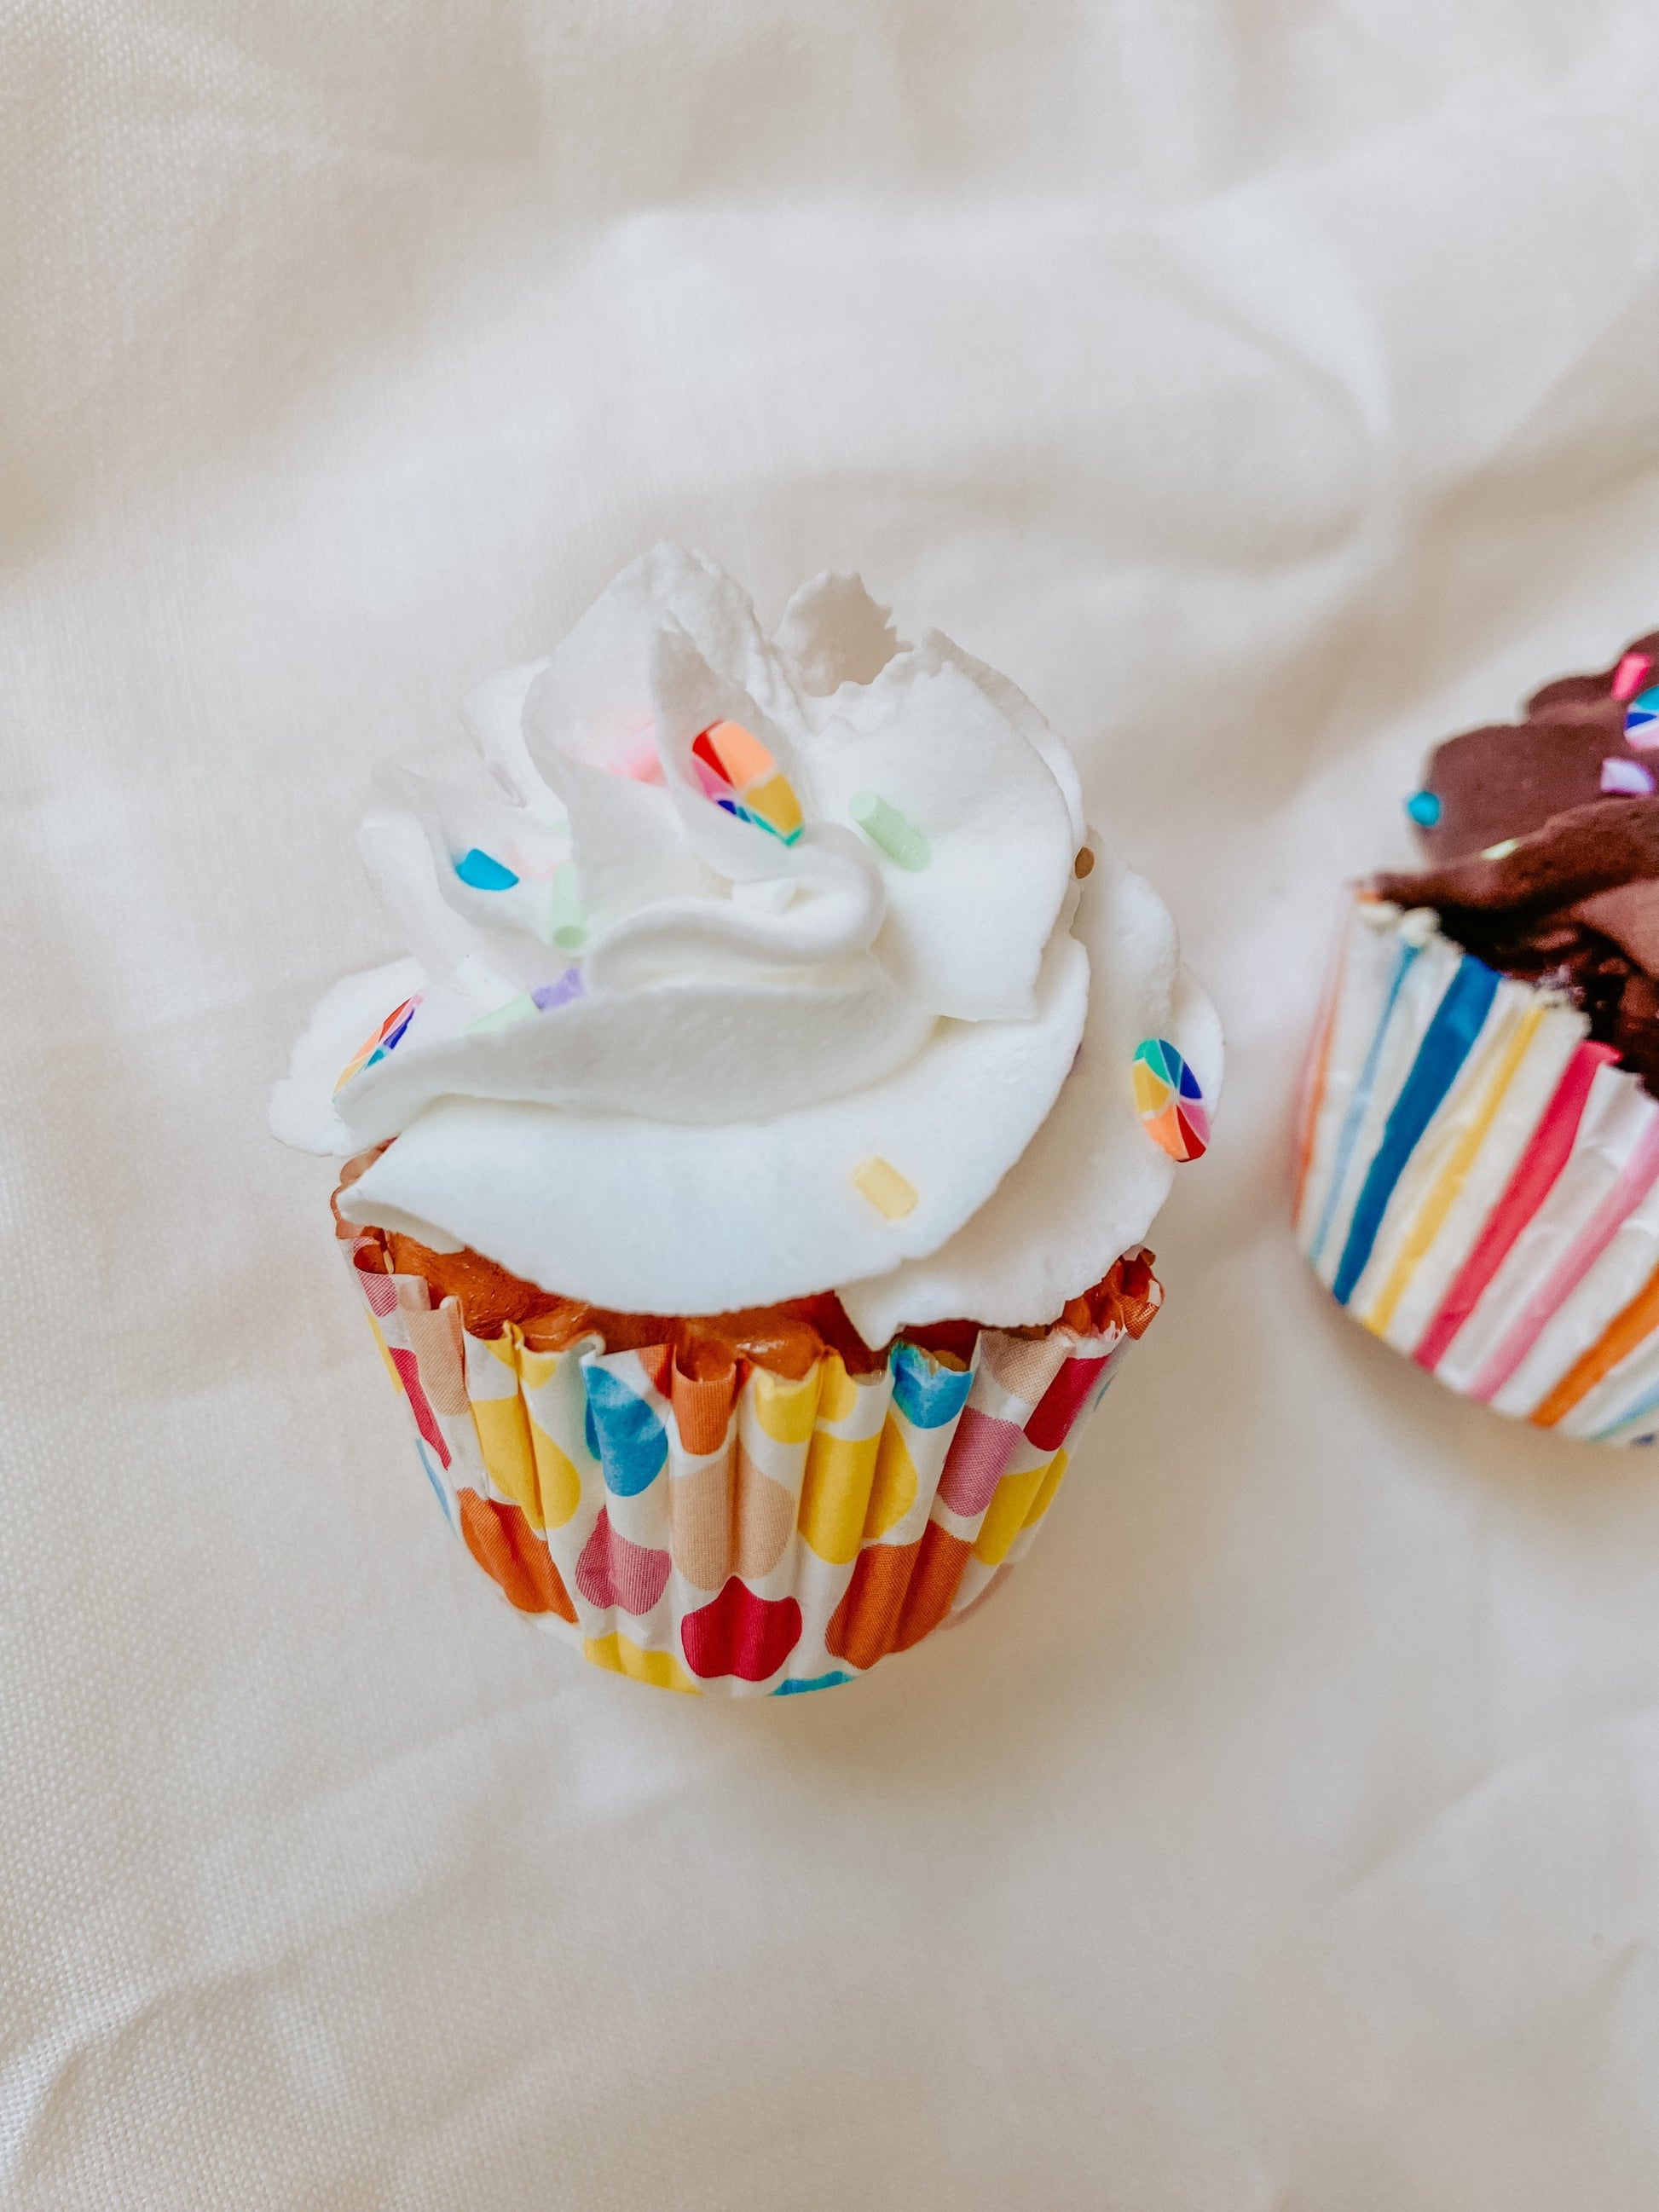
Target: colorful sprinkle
x: 880, y: 1181
x: 1500, y: 851
x: 1170, y: 1100
x: 1641, y: 721
x: 738, y: 773
x: 1628, y: 778
x: 567, y: 917
x: 1424, y: 807
x: 739, y: 755
x: 568, y: 986
x: 517, y: 1009
x: 384, y: 1039
x: 1629, y: 676
x: 885, y: 826
x: 795, y: 1688
x: 483, y: 871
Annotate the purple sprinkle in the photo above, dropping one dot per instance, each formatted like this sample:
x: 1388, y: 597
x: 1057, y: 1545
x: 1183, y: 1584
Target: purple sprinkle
x: 568, y: 986
x: 1627, y: 777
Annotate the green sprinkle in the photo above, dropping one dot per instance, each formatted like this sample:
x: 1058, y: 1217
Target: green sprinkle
x: 567, y: 917
x: 501, y: 1018
x: 885, y: 826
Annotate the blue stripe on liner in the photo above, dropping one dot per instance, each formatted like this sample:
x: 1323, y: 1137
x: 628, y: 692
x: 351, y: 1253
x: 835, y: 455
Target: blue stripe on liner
x: 1638, y: 1412
x: 436, y: 1479
x: 1361, y: 1100
x: 1458, y: 1020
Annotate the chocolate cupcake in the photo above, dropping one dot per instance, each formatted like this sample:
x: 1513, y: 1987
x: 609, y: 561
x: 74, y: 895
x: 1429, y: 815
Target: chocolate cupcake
x: 1479, y: 1159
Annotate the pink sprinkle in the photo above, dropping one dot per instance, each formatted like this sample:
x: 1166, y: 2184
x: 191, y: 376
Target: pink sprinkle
x: 1629, y: 676
x: 1627, y: 777
x: 641, y: 766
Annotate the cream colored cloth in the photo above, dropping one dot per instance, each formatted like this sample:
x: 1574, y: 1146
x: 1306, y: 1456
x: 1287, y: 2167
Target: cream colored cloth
x: 1267, y: 388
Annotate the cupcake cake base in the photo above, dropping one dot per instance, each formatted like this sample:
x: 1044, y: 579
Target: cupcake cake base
x: 742, y: 1505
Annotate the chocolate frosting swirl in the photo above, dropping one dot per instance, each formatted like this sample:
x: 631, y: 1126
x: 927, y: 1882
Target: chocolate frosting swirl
x: 1538, y: 871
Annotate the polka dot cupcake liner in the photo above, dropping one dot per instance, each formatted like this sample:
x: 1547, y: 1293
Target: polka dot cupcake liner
x: 1478, y: 1181
x: 751, y: 1535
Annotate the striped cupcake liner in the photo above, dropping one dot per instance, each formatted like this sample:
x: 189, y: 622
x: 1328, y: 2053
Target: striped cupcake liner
x: 1478, y: 1182
x: 745, y: 1534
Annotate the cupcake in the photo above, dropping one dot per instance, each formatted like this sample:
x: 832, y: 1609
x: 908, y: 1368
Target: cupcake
x: 1479, y: 1156
x: 746, y: 1172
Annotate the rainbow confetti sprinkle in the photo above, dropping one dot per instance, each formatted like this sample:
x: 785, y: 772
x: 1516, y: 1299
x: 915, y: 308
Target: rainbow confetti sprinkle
x: 1628, y: 778
x: 1171, y: 1103
x: 1424, y: 807
x: 1642, y: 720
x: 887, y: 1190
x: 737, y: 773
x: 389, y: 1035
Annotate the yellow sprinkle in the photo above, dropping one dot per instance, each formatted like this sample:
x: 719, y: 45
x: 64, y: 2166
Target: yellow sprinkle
x: 1500, y: 852
x: 884, y: 1187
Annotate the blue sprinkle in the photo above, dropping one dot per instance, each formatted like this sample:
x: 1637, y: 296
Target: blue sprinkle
x: 796, y: 1688
x: 1424, y: 807
x: 484, y: 872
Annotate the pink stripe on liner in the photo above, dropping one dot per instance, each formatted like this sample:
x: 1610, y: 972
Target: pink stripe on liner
x: 1529, y: 1187
x: 1635, y: 1178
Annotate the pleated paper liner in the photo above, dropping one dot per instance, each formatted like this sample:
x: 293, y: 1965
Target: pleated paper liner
x: 751, y: 1534
x: 1478, y: 1181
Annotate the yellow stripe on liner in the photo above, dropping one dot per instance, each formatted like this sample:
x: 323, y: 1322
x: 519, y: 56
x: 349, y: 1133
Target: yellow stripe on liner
x: 1439, y: 1203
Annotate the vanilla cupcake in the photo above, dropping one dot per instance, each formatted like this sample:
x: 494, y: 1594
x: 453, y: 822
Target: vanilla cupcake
x: 750, y: 1166
x: 1478, y: 1178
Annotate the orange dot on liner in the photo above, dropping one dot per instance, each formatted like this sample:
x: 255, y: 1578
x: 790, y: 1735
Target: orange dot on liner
x: 1084, y: 863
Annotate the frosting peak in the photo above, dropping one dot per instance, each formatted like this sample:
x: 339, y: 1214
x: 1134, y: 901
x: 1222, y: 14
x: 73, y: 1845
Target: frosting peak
x: 740, y: 916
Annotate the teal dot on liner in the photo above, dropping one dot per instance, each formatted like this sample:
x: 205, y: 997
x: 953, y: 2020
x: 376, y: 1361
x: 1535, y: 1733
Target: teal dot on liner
x: 885, y: 826
x: 483, y: 871
x: 1424, y: 807
x: 925, y: 1391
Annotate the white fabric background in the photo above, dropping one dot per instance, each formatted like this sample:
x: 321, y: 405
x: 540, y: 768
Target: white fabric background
x: 1267, y: 385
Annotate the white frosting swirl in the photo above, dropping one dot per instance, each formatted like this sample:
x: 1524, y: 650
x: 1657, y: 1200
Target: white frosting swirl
x: 656, y: 1040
